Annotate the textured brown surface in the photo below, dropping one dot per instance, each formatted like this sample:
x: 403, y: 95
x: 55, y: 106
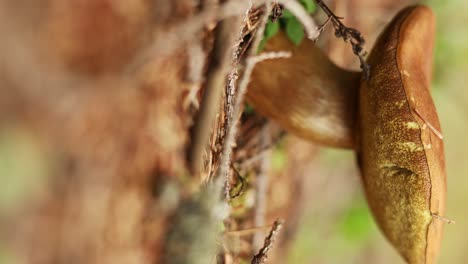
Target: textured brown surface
x: 114, y: 138
x: 306, y: 94
x: 402, y: 161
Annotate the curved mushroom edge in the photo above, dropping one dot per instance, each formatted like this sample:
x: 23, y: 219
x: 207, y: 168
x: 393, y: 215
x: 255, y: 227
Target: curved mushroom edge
x: 401, y: 159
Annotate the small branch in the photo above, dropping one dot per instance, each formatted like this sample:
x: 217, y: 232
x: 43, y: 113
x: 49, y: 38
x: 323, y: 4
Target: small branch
x: 261, y: 185
x: 242, y: 182
x: 234, y: 108
x: 217, y: 71
x: 443, y: 219
x: 311, y: 28
x: 351, y: 34
x: 431, y: 127
x: 234, y: 99
x: 262, y: 256
x: 270, y: 56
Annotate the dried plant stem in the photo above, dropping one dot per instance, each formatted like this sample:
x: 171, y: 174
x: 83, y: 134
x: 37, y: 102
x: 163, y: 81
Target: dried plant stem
x: 311, y: 28
x: 231, y: 129
x: 216, y: 78
x: 443, y: 219
x: 236, y: 109
x: 347, y: 33
x: 261, y: 185
x: 234, y: 97
x: 270, y: 56
x: 262, y: 256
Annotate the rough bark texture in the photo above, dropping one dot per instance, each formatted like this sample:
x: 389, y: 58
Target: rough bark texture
x: 114, y: 135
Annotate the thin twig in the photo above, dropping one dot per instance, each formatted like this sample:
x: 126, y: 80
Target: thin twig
x: 231, y: 126
x: 242, y: 182
x: 311, y: 28
x: 261, y: 185
x: 262, y: 256
x: 270, y: 56
x: 234, y: 97
x: 431, y: 127
x: 216, y: 77
x: 443, y: 219
x: 351, y: 34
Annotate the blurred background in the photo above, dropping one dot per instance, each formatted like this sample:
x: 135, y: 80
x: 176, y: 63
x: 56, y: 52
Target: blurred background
x: 334, y: 225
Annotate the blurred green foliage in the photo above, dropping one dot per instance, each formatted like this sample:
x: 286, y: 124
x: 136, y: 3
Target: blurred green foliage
x: 356, y: 222
x: 278, y: 158
x: 289, y: 23
x: 294, y: 30
x: 6, y: 257
x: 22, y: 167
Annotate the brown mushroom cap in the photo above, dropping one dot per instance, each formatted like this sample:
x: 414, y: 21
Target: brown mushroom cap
x: 401, y: 159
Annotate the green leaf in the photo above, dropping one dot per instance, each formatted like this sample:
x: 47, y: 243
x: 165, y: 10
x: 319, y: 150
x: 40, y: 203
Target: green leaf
x: 294, y: 30
x: 309, y: 6
x: 248, y: 109
x: 261, y: 45
x: 287, y: 14
x: 271, y: 29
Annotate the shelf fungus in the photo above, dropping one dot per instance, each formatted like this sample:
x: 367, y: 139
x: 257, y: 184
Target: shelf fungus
x: 389, y: 119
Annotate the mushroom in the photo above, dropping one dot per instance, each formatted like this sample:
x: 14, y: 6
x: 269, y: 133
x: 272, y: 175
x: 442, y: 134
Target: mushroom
x: 401, y: 154
x: 389, y: 120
